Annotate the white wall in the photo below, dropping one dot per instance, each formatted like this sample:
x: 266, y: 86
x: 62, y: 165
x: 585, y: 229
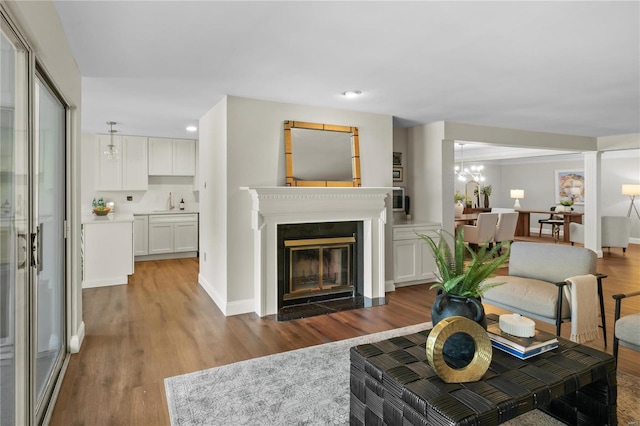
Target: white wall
x: 213, y: 203
x: 40, y: 25
x: 254, y: 146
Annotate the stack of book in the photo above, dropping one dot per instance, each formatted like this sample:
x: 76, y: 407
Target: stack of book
x: 521, y: 347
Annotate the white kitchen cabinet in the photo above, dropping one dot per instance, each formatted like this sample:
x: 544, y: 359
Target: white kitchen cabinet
x: 185, y: 236
x: 413, y: 261
x: 173, y: 233
x: 107, y: 249
x: 160, y: 237
x: 126, y: 172
x: 135, y: 172
x: 140, y: 235
x: 172, y: 157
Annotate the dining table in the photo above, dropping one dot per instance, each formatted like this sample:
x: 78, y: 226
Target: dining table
x: 524, y: 221
x: 466, y: 219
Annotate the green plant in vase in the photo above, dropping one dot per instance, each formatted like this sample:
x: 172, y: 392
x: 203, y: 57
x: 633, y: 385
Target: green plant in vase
x: 486, y: 191
x: 461, y: 284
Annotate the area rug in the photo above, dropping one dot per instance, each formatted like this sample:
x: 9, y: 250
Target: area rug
x: 308, y: 386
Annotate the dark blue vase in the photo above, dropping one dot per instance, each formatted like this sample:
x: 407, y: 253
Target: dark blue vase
x: 459, y: 349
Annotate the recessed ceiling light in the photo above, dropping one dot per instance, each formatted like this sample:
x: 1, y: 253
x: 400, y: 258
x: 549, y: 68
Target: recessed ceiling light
x: 352, y: 93
x: 192, y: 129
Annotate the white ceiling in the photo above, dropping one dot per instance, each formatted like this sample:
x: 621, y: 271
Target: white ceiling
x: 564, y: 67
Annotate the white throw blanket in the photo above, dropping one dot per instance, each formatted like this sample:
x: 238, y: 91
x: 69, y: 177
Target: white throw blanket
x: 582, y: 293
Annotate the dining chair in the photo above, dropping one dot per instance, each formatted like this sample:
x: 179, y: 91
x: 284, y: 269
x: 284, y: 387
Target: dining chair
x: 555, y: 220
x: 482, y: 232
x: 506, y: 227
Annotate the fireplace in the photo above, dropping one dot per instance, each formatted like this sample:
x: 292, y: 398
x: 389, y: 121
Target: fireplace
x: 318, y: 266
x: 275, y: 207
x: 318, y: 262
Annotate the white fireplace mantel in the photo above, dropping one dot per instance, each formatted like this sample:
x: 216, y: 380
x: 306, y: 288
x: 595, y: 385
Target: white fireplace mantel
x: 273, y: 206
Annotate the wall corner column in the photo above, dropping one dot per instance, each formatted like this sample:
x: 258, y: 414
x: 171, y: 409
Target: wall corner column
x: 592, y: 209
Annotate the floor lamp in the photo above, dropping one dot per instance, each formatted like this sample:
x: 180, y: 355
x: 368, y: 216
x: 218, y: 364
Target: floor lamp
x: 631, y: 191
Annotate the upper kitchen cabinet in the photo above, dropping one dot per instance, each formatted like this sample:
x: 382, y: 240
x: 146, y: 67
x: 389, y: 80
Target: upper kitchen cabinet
x: 126, y: 172
x: 172, y: 157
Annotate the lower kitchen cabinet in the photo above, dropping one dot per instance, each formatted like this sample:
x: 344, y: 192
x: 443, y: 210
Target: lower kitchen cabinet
x: 107, y: 250
x: 173, y: 233
x: 413, y: 262
x: 140, y: 235
x: 185, y: 236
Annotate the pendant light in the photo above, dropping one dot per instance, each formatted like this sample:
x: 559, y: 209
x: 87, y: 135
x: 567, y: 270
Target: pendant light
x: 111, y: 153
x: 467, y: 174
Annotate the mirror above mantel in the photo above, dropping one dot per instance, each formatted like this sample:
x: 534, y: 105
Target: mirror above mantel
x: 321, y: 154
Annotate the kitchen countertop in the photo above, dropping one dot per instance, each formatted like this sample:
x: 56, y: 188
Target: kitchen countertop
x: 110, y: 218
x: 175, y: 211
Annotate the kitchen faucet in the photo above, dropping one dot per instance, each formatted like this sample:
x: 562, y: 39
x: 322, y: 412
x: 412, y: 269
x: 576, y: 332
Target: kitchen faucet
x: 171, y: 206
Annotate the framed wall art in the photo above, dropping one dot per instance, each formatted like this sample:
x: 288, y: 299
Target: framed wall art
x: 397, y: 159
x: 397, y: 174
x: 569, y: 186
x: 398, y: 198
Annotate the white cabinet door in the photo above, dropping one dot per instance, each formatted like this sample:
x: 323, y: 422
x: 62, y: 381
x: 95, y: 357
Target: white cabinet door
x: 427, y: 265
x: 413, y: 261
x: 160, y: 157
x: 126, y: 172
x: 172, y: 157
x: 108, y: 172
x: 135, y: 174
x: 160, y: 238
x: 184, y: 157
x: 405, y: 255
x: 140, y: 235
x: 185, y: 236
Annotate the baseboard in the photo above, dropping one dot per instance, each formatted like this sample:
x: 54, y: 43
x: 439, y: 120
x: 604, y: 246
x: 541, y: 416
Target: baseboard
x: 166, y: 256
x: 240, y: 307
x: 227, y: 308
x: 389, y: 285
x: 105, y: 282
x: 76, y: 340
x: 634, y: 240
x: 211, y: 292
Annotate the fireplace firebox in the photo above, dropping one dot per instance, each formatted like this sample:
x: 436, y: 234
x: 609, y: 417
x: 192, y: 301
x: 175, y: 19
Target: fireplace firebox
x: 317, y: 263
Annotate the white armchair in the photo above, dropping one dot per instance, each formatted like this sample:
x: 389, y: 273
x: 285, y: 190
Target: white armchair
x: 506, y: 228
x: 626, y: 328
x: 483, y: 231
x: 615, y: 232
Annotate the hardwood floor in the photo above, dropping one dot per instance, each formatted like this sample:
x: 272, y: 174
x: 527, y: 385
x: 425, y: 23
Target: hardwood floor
x: 163, y: 324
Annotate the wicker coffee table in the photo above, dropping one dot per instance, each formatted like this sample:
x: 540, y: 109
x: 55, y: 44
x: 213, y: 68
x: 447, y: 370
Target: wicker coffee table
x: 392, y: 384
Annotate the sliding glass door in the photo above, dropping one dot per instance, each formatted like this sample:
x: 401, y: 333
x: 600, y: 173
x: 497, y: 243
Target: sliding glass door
x: 14, y: 231
x: 49, y: 274
x: 32, y: 235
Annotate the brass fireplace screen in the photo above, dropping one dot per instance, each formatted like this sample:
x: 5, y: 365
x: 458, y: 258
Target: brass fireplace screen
x: 319, y: 266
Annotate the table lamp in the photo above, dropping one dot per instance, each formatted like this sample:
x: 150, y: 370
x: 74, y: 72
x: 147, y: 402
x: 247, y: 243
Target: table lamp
x: 517, y: 194
x: 631, y: 190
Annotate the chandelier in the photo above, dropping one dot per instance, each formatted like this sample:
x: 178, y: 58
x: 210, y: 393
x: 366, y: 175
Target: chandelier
x: 111, y: 152
x: 466, y: 174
